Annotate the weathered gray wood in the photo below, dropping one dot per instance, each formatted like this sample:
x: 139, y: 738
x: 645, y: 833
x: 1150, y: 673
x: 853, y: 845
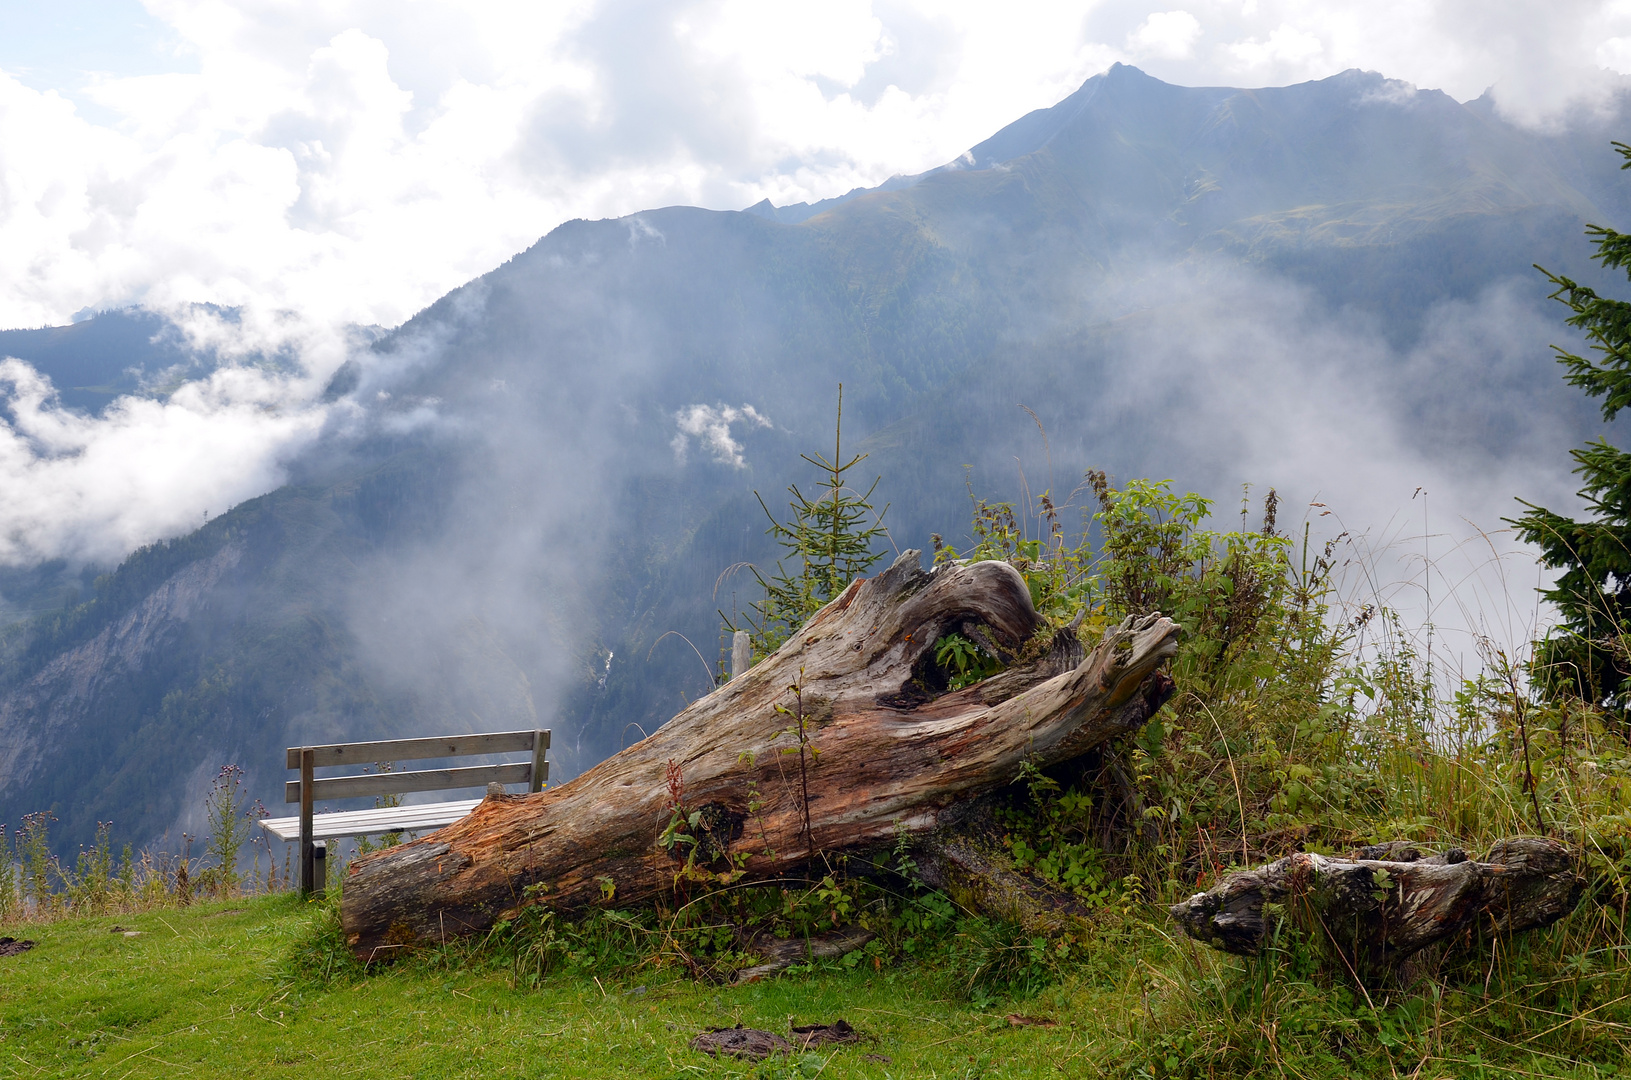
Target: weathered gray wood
x: 306, y: 760
x: 309, y: 828
x: 885, y: 756
x: 540, y: 761
x: 1378, y: 912
x: 741, y: 654
x: 394, y: 783
x: 367, y: 753
x: 779, y: 954
x: 375, y: 821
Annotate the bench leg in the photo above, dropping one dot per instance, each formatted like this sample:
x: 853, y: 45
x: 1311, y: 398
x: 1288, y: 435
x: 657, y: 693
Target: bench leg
x: 319, y: 869
x: 308, y: 856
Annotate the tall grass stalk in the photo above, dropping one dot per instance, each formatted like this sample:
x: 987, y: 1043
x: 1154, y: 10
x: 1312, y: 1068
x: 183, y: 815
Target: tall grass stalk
x: 10, y: 901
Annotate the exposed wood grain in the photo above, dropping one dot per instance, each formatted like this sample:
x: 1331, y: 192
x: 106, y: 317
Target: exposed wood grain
x: 885, y: 756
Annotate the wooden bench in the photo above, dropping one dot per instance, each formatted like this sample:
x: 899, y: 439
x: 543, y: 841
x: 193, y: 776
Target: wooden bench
x: 313, y: 831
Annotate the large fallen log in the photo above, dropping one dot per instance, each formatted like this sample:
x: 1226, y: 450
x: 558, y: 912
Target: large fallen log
x: 841, y: 740
x: 1382, y: 908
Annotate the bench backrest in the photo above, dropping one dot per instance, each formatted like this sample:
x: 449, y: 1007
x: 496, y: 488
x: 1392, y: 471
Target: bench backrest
x: 533, y: 773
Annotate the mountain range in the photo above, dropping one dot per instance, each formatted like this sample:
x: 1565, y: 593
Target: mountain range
x: 523, y: 489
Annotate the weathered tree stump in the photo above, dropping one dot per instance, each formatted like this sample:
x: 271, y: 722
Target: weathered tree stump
x: 839, y: 741
x: 1390, y: 902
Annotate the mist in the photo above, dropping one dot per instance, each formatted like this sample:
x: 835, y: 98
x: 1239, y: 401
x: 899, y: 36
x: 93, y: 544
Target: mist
x: 593, y: 502
x: 1414, y: 454
x: 529, y: 504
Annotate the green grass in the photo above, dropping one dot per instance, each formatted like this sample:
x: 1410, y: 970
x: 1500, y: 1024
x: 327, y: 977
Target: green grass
x: 252, y: 988
x: 1290, y: 732
x: 215, y: 990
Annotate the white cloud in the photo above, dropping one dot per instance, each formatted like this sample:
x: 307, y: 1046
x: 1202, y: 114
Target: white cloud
x: 711, y: 426
x: 94, y: 489
x: 353, y: 160
x: 1167, y: 34
x: 1286, y: 46
x: 348, y: 161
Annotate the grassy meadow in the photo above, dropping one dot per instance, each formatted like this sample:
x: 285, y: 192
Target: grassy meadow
x: 250, y: 988
x: 1305, y: 719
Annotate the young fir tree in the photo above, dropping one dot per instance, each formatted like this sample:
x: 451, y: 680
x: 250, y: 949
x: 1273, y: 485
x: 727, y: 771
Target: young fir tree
x: 1588, y: 654
x: 829, y: 541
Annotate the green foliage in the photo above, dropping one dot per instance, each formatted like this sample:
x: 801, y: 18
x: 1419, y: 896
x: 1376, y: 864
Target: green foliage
x: 992, y: 961
x: 829, y: 540
x: 230, y: 826
x: 1058, y: 574
x: 1589, y: 655
x: 319, y: 957
x: 1292, y: 730
x: 967, y: 661
x: 11, y: 902
x: 93, y: 885
x: 1050, y: 834
x: 1264, y: 733
x: 36, y: 886
x: 1606, y: 322
x: 34, y: 850
x: 217, y: 989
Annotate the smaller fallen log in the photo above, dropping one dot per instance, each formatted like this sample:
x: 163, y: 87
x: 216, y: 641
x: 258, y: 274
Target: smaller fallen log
x: 779, y: 954
x: 1391, y: 902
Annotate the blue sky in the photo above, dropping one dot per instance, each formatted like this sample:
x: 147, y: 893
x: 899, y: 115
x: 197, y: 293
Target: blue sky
x: 62, y: 44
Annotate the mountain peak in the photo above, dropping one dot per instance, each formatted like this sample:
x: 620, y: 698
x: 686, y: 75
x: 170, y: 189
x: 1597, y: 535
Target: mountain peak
x: 1118, y: 70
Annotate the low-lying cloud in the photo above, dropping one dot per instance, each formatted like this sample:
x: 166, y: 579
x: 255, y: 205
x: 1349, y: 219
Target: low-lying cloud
x: 91, y: 489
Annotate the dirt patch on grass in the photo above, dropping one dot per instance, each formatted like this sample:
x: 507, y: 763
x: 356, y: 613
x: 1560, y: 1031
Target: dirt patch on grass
x: 13, y: 947
x: 838, y: 1031
x: 749, y: 1043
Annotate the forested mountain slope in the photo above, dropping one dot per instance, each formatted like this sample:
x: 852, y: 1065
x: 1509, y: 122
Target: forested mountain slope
x: 530, y: 482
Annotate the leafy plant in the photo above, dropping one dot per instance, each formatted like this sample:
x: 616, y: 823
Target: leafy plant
x: 967, y: 661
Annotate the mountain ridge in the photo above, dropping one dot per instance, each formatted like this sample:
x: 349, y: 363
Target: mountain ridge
x: 505, y: 530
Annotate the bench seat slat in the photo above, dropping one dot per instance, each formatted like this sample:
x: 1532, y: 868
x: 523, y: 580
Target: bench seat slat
x: 372, y: 822
x: 366, y: 753
x: 392, y: 783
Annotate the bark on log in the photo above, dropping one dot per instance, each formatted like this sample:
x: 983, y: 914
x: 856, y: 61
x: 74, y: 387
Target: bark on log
x: 883, y: 756
x: 1391, y: 902
x: 779, y: 954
